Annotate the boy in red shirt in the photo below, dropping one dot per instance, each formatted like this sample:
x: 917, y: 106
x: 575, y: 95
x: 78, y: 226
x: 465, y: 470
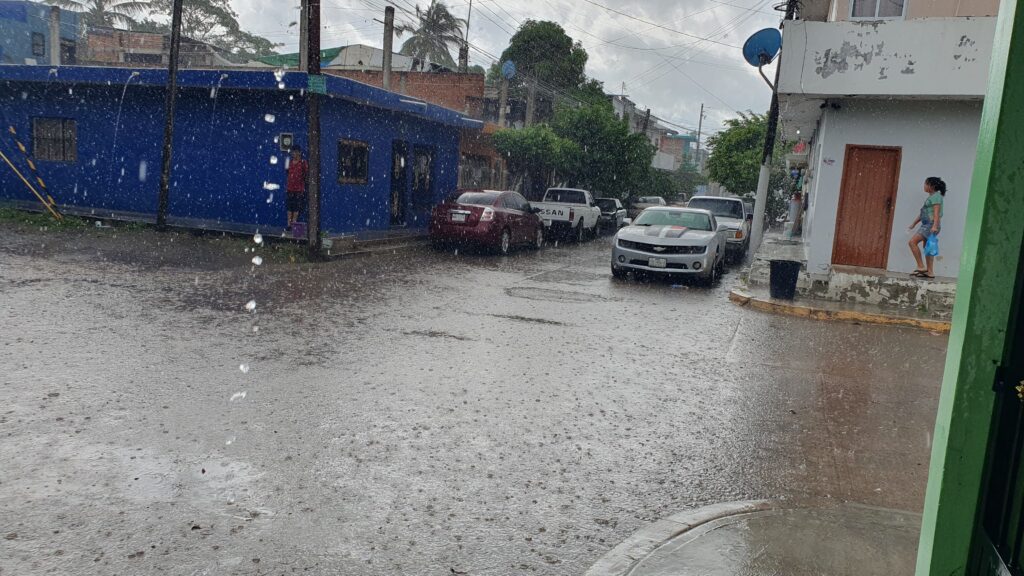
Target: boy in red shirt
x: 298, y: 171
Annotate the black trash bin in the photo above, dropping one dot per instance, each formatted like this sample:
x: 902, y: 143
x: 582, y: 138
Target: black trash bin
x: 782, y: 281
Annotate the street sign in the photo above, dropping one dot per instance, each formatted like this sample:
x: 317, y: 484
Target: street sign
x: 508, y: 69
x: 317, y: 83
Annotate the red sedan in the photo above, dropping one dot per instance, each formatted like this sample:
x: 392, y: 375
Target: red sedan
x: 489, y: 218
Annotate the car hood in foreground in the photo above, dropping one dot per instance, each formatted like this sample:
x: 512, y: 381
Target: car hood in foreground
x: 667, y: 235
x: 735, y: 223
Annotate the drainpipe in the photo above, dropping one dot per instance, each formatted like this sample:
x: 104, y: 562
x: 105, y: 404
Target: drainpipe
x: 389, y: 33
x: 54, y: 36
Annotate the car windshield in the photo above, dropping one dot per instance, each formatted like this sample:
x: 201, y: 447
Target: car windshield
x: 606, y: 204
x: 694, y: 220
x: 475, y: 198
x: 721, y: 207
x: 565, y: 196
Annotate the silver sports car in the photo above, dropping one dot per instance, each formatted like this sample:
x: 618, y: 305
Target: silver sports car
x: 670, y: 240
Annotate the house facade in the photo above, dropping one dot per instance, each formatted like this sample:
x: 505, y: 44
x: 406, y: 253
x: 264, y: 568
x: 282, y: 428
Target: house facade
x: 34, y: 33
x: 883, y: 94
x: 95, y: 134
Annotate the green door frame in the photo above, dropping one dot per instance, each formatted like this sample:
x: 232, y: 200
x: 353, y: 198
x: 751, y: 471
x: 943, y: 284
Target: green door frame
x: 988, y: 270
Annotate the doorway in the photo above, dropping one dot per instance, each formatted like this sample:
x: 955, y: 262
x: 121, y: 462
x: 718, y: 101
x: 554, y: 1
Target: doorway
x: 422, y: 179
x: 399, y: 181
x: 866, y: 197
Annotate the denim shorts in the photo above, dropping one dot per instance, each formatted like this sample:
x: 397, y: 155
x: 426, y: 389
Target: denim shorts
x: 925, y: 229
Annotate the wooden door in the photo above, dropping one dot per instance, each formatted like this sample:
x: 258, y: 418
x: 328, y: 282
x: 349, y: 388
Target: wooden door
x: 866, y: 198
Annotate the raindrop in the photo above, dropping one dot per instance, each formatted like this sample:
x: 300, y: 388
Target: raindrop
x: 270, y: 198
x: 257, y: 260
x: 258, y: 238
x: 197, y: 281
x: 276, y: 138
x: 237, y: 396
x: 143, y: 169
x: 291, y: 97
x: 271, y: 186
x: 250, y: 305
x: 70, y: 91
x: 213, y: 92
x: 269, y: 118
x: 24, y: 95
x: 279, y: 74
x: 367, y: 221
x: 280, y: 85
x: 255, y: 328
x: 273, y: 159
x: 229, y: 441
x: 243, y: 368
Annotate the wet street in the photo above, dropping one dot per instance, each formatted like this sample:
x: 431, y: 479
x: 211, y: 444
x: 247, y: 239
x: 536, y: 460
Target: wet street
x: 414, y: 413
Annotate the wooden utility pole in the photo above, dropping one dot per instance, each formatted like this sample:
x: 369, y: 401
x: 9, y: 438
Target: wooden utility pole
x: 700, y: 124
x: 531, y: 99
x: 464, y: 49
x: 502, y: 101
x: 172, y: 91
x: 303, y: 41
x: 313, y: 125
x: 389, y: 39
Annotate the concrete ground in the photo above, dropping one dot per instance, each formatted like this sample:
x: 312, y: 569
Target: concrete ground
x: 419, y: 413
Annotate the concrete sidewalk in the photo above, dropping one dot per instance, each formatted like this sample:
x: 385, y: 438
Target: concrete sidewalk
x: 770, y: 538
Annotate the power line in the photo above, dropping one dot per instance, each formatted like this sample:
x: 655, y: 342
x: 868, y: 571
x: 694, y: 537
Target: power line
x: 680, y: 32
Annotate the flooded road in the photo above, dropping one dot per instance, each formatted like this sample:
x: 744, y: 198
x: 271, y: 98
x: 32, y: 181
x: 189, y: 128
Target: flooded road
x: 414, y: 413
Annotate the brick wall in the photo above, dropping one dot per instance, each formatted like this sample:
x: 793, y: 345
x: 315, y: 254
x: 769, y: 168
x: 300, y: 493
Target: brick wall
x: 459, y: 92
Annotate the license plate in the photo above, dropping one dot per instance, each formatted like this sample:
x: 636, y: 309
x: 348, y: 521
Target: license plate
x: 458, y: 217
x: 657, y: 263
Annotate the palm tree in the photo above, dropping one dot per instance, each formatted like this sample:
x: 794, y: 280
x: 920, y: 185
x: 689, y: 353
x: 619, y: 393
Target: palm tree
x: 437, y: 28
x: 107, y: 13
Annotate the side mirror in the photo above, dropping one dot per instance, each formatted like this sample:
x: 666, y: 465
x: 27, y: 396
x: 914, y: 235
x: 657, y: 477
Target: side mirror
x: 723, y: 227
x: 750, y: 217
x: 627, y: 221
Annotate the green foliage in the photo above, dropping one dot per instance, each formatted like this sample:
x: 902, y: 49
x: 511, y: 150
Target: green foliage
x: 434, y: 31
x: 735, y: 161
x: 542, y: 50
x: 107, y: 13
x: 591, y: 92
x: 611, y: 161
x: 213, y: 22
x: 534, y: 152
x: 476, y: 69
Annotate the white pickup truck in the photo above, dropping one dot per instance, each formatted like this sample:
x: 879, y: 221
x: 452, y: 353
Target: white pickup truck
x: 569, y: 212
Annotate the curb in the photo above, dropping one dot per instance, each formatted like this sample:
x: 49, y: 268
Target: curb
x: 621, y: 559
x: 804, y: 311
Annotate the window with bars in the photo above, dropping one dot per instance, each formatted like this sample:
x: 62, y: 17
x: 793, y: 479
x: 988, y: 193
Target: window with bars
x: 353, y: 162
x: 876, y: 9
x: 55, y: 139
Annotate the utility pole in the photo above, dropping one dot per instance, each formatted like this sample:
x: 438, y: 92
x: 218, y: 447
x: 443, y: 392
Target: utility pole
x: 54, y: 35
x: 464, y: 49
x: 700, y: 125
x: 531, y: 95
x: 389, y: 38
x: 172, y: 91
x: 761, y: 200
x: 303, y: 42
x: 313, y: 127
x: 502, y: 101
x: 647, y: 118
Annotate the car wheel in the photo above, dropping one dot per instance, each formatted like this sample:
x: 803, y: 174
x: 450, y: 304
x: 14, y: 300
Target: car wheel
x: 580, y: 233
x: 619, y: 273
x: 538, y: 241
x: 505, y: 243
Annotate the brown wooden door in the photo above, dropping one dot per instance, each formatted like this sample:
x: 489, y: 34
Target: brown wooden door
x: 866, y: 199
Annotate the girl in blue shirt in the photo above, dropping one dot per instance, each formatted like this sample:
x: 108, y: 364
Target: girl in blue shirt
x: 928, y: 223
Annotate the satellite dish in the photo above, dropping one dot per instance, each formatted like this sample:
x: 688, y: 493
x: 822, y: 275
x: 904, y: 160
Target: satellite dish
x: 508, y: 69
x: 762, y: 47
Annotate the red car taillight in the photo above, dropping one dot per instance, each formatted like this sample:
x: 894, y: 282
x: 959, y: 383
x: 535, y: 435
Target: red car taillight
x: 488, y: 215
x: 572, y: 215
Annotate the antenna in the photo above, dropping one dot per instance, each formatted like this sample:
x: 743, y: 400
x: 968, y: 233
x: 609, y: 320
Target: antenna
x: 761, y: 49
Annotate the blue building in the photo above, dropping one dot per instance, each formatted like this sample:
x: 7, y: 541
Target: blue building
x: 96, y: 134
x: 25, y: 33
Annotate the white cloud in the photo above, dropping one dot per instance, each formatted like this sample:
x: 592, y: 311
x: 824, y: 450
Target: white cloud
x: 664, y: 68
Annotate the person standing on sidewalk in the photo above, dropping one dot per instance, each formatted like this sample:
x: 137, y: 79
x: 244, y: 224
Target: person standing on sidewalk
x: 298, y: 171
x: 930, y: 221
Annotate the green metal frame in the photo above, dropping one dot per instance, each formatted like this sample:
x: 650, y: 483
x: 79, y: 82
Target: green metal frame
x: 988, y: 269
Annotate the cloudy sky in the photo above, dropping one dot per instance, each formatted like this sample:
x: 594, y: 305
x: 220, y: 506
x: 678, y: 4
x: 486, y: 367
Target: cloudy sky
x: 672, y: 55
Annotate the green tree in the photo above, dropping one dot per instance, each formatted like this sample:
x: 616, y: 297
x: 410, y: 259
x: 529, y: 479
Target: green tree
x: 542, y: 50
x: 435, y: 30
x: 107, y: 13
x: 534, y: 153
x: 735, y: 160
x: 213, y: 22
x: 687, y: 178
x: 611, y: 161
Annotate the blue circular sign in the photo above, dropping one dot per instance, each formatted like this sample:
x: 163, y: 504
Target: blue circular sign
x: 508, y: 69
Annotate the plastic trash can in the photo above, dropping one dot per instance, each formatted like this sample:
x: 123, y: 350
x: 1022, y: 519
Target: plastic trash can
x: 298, y: 230
x: 782, y: 279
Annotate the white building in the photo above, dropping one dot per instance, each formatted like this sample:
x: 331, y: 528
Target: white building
x: 666, y: 156
x: 886, y: 93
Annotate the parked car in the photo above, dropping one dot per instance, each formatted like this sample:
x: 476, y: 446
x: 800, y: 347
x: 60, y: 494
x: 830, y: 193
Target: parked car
x: 613, y: 215
x: 670, y: 240
x: 569, y: 212
x: 487, y: 218
x: 733, y: 213
x: 638, y: 205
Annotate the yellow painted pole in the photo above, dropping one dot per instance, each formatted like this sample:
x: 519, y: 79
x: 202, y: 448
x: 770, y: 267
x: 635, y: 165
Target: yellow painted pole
x: 39, y: 196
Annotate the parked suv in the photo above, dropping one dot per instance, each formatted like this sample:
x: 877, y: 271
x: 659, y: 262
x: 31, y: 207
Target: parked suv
x: 638, y: 205
x: 733, y: 214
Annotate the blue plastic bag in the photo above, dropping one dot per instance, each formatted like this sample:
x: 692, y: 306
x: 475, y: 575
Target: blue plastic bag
x: 931, y: 245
